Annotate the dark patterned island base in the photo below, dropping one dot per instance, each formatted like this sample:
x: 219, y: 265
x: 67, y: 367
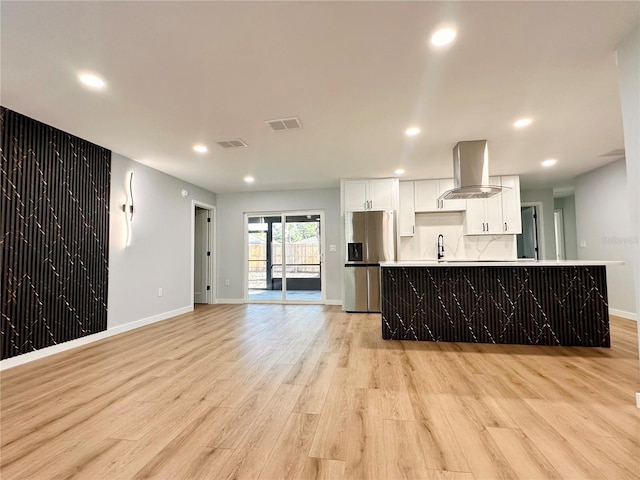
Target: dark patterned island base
x: 528, y: 305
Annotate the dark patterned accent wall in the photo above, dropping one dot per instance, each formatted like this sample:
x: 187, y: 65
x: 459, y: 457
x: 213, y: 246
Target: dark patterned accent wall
x: 530, y: 305
x: 55, y: 235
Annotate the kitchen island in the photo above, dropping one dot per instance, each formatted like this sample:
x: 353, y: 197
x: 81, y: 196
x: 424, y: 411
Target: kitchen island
x: 530, y: 303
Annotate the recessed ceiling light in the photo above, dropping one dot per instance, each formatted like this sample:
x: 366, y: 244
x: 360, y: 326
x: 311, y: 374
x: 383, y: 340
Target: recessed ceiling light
x: 412, y: 131
x: 523, y: 122
x: 200, y: 148
x: 92, y: 81
x: 444, y: 36
x: 549, y: 162
x: 399, y: 171
x: 249, y: 179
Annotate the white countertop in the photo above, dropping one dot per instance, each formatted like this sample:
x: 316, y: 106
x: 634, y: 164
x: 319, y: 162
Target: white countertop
x: 498, y: 263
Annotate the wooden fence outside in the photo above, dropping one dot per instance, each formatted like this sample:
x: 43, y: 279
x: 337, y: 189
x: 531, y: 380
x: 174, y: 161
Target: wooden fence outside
x: 297, y: 253
x: 303, y: 260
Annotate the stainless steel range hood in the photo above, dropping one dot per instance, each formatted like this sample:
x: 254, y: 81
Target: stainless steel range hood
x: 471, y: 172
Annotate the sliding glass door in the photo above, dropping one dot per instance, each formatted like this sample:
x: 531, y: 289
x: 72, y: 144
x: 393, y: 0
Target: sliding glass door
x: 302, y: 266
x: 284, y: 256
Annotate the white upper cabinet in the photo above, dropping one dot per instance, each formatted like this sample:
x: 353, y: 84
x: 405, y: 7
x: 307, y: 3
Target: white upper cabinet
x: 355, y: 195
x: 497, y: 215
x: 383, y: 194
x: 445, y: 185
x: 474, y: 219
x: 484, y: 216
x: 493, y: 210
x: 361, y: 195
x: 407, y: 213
x: 427, y: 193
x: 511, y: 215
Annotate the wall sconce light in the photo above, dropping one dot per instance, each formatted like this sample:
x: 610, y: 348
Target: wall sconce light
x: 128, y: 210
x: 128, y: 205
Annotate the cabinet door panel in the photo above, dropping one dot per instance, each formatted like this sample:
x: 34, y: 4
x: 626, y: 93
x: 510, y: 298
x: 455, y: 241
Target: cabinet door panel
x: 493, y: 211
x: 426, y: 195
x: 511, y: 216
x: 406, y: 220
x: 493, y: 215
x: 381, y: 194
x: 355, y: 195
x: 474, y: 220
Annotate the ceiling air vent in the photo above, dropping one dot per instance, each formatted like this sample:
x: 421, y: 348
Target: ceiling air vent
x: 280, y: 124
x: 233, y: 143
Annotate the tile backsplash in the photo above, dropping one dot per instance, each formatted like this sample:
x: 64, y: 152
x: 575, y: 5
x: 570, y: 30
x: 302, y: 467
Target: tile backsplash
x: 423, y: 245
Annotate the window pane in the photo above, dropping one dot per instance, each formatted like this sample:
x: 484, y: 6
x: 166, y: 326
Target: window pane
x: 302, y: 258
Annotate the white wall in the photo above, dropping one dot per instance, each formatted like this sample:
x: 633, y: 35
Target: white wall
x: 231, y: 208
x: 603, y: 222
x: 159, y: 254
x: 544, y: 195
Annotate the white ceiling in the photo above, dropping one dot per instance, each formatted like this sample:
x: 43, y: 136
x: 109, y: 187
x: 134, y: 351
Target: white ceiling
x: 357, y: 74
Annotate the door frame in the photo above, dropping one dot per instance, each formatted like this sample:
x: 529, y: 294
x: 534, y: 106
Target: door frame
x: 283, y: 214
x: 558, y: 224
x: 211, y: 273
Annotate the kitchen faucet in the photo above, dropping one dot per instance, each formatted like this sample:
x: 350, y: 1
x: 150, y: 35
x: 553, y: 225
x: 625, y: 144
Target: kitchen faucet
x: 440, y: 246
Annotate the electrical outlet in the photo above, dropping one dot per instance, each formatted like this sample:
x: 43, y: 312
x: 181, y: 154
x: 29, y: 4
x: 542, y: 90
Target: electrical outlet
x: 226, y: 282
x: 332, y: 248
x: 583, y: 244
x: 160, y: 292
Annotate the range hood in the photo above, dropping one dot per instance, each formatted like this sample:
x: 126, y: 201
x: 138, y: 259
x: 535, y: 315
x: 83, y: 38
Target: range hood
x: 471, y: 172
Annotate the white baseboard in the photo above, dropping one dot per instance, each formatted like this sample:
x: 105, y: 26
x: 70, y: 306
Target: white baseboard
x: 638, y: 399
x: 230, y: 300
x: 45, y: 352
x: 623, y: 314
x: 233, y: 301
x: 333, y: 302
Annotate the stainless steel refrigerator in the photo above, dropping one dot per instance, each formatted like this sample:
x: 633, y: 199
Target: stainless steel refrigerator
x: 370, y: 238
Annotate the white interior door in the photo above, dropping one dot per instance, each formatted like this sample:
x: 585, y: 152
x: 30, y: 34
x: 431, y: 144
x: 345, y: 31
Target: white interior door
x: 201, y: 257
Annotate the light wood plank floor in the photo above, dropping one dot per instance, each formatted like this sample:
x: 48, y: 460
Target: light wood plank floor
x: 272, y: 391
